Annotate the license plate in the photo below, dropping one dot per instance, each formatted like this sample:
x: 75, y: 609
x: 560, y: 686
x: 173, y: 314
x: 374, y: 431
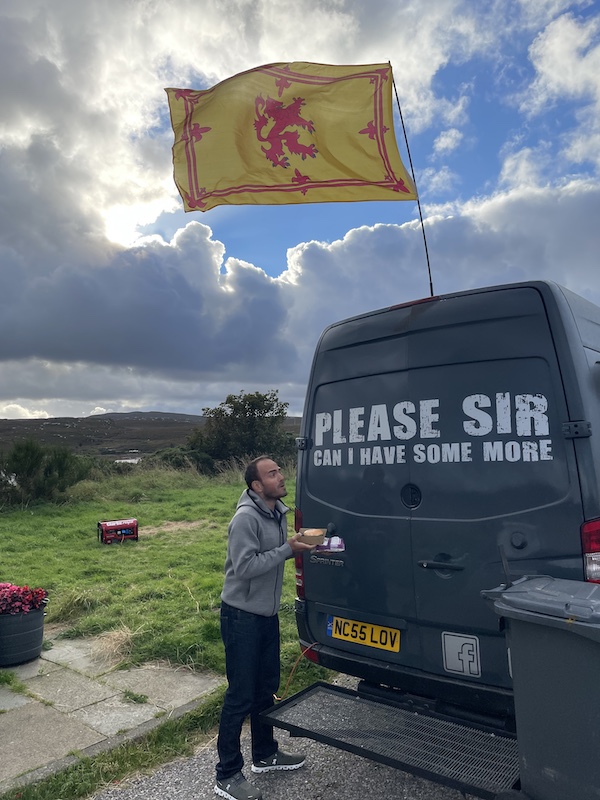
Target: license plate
x: 350, y: 630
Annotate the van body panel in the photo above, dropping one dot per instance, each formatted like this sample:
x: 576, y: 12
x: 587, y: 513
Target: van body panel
x: 579, y: 348
x: 434, y: 446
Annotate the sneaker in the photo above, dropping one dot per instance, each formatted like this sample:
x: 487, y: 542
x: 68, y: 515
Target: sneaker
x: 279, y: 760
x: 237, y: 788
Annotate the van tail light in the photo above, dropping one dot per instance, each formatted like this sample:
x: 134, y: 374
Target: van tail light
x: 590, y: 539
x: 299, y: 562
x: 297, y: 519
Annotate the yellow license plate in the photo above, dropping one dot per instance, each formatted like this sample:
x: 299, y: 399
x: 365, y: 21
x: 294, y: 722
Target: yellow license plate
x: 350, y: 630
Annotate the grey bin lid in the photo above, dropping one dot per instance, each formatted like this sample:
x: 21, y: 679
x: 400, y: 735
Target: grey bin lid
x: 573, y: 605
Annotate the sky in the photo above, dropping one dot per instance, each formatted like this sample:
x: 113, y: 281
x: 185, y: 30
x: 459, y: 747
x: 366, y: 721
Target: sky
x: 112, y: 299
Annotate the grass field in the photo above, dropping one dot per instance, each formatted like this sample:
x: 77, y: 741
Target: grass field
x: 159, y: 596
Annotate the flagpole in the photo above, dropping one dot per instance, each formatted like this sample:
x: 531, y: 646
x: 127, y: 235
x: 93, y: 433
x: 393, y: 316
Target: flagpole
x: 415, y: 182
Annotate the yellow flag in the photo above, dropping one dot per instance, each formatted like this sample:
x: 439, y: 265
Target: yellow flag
x: 289, y: 133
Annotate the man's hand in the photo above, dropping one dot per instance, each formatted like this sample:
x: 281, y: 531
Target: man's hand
x: 298, y: 546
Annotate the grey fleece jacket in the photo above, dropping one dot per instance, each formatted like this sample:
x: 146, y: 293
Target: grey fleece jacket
x: 256, y: 552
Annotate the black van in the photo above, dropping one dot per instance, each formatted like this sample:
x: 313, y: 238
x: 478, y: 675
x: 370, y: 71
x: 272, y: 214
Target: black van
x: 445, y: 443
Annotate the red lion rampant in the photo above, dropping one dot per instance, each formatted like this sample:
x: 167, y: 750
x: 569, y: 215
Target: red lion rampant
x: 272, y: 120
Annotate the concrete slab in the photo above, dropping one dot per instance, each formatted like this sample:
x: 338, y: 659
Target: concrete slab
x: 77, y: 654
x: 35, y: 735
x: 10, y: 700
x: 164, y: 686
x: 68, y: 690
x: 38, y: 666
x: 115, y: 714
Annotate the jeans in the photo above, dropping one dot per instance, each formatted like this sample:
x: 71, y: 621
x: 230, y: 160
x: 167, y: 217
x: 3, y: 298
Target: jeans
x: 252, y: 664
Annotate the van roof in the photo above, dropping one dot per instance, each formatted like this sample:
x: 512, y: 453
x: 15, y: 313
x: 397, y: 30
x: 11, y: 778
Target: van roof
x: 585, y: 314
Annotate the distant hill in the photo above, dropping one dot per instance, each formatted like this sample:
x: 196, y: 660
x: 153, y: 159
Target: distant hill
x: 110, y: 435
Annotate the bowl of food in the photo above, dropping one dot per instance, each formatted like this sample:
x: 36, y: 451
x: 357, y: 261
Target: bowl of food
x: 312, y: 535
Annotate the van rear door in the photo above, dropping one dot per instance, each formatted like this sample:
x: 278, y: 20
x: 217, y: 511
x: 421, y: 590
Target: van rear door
x: 435, y: 442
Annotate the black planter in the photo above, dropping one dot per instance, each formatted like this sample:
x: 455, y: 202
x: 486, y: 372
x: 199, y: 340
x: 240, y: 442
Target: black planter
x: 21, y: 637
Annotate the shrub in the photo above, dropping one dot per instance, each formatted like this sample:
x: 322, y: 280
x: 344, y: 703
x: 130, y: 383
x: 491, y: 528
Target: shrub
x: 31, y: 472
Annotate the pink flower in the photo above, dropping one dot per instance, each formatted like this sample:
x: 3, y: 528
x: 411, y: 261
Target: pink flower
x: 20, y: 599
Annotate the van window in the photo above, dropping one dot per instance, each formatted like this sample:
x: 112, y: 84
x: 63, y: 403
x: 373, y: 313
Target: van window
x: 477, y: 439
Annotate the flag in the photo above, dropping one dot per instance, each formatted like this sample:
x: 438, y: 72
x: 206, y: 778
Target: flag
x: 288, y: 133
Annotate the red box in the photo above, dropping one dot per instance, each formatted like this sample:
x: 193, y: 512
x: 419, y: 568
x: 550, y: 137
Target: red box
x: 117, y: 530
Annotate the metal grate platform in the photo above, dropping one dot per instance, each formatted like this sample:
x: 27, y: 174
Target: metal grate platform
x: 469, y: 759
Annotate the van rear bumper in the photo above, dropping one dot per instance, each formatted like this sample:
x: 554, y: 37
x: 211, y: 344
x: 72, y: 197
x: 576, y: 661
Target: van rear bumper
x: 452, y: 697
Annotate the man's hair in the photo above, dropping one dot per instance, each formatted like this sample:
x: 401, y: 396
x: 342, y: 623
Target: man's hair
x: 251, y: 474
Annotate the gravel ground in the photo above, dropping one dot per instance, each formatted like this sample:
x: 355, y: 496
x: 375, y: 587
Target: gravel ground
x: 329, y: 774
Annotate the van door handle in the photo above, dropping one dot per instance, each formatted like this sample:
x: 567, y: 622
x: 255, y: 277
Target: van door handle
x: 440, y: 565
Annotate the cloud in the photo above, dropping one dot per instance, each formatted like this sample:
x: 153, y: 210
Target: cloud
x: 84, y: 134
x: 437, y: 181
x: 37, y: 388
x: 517, y: 235
x: 525, y: 233
x: 84, y: 127
x: 92, y: 319
x: 566, y: 59
x: 270, y: 327
x: 16, y: 411
x: 526, y: 166
x: 163, y: 307
x: 447, y: 141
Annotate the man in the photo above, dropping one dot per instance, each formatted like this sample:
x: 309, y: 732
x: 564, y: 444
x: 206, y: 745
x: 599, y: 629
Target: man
x: 256, y: 552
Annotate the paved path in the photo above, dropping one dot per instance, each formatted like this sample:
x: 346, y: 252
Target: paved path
x: 79, y: 703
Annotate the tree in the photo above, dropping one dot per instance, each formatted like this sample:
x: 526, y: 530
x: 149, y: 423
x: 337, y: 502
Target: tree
x: 244, y: 425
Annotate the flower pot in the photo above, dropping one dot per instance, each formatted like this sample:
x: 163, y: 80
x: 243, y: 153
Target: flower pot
x: 21, y: 637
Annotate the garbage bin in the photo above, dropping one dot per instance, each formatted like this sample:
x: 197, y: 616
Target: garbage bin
x: 553, y: 635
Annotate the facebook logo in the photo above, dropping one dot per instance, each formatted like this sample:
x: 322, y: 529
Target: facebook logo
x: 461, y: 654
